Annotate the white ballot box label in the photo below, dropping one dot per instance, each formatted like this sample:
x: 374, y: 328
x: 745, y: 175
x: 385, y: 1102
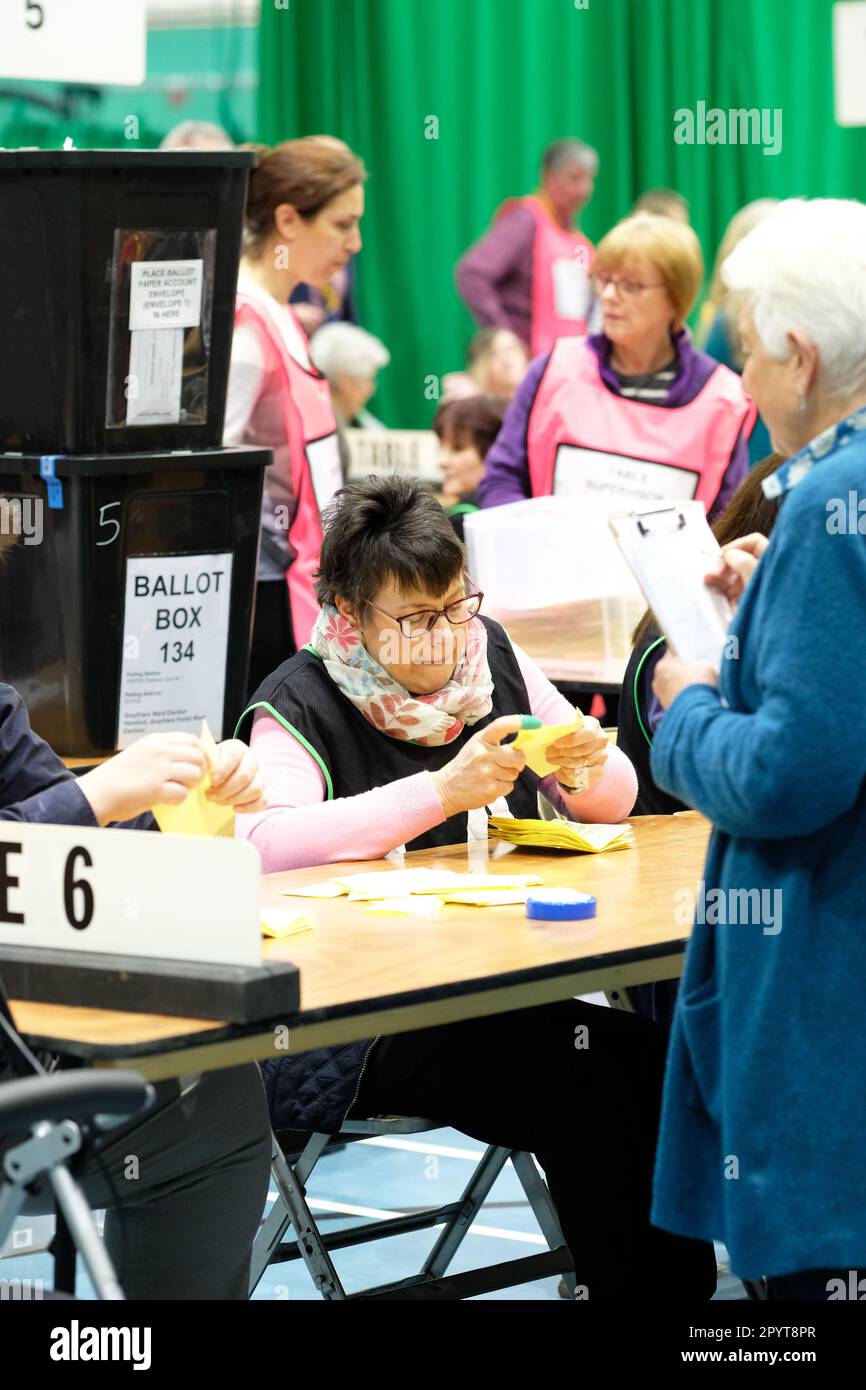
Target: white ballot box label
x: 625, y: 481
x: 74, y: 40
x: 155, y: 376
x: 129, y: 893
x: 165, y: 294
x: 175, y: 640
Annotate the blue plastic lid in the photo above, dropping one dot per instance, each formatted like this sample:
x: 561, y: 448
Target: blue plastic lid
x: 560, y: 905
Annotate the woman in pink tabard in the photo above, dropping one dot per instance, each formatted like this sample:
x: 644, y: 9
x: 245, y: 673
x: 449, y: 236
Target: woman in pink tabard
x: 304, y: 208
x: 633, y: 415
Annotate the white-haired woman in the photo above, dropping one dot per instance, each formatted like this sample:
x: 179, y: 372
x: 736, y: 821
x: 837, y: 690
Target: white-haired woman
x: 351, y: 359
x: 762, y: 1144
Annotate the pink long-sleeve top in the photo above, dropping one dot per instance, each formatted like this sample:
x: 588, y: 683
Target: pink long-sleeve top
x: 300, y: 828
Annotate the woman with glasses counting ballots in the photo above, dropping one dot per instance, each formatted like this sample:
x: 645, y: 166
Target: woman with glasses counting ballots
x: 387, y: 729
x: 634, y: 414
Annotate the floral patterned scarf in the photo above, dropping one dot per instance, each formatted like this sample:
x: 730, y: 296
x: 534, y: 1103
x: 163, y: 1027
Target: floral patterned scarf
x: 427, y: 719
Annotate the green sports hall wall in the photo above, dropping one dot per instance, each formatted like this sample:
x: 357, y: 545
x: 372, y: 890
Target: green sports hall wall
x: 503, y: 78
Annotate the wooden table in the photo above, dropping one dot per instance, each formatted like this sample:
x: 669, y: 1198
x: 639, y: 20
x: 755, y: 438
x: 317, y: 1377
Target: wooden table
x: 364, y: 974
x: 585, y: 644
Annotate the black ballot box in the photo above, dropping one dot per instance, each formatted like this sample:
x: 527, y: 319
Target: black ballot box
x: 126, y: 591
x: 118, y: 272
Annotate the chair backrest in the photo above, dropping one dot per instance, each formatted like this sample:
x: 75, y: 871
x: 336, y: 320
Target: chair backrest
x: 16, y: 1059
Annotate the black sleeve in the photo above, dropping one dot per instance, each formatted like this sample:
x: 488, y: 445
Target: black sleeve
x: 34, y: 784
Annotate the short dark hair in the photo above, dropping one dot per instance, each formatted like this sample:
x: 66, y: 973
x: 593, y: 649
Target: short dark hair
x: 382, y: 528
x: 477, y: 419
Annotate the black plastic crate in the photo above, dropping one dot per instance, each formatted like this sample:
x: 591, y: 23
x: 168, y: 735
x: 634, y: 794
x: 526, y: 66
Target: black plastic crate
x: 111, y: 527
x: 86, y: 235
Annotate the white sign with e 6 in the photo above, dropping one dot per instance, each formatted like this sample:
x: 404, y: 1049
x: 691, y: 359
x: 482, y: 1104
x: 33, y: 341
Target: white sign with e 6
x: 129, y: 893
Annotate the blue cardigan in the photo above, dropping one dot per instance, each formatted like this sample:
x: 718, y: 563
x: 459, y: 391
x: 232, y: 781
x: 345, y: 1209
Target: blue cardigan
x: 763, y: 1141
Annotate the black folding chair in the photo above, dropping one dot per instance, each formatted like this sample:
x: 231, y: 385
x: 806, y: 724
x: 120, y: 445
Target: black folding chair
x: 56, y: 1115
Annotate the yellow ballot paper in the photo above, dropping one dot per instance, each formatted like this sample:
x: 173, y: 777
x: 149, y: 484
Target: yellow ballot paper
x: 419, y: 891
x: 280, y: 922
x: 328, y: 889
x: 487, y: 897
x: 195, y: 815
x: 415, y: 906
x: 561, y: 834
x: 535, y: 742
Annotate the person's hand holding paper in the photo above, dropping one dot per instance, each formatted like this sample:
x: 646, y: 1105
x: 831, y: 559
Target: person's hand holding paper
x: 232, y: 780
x: 578, y: 759
x: 672, y: 675
x: 736, y: 565
x: 235, y: 776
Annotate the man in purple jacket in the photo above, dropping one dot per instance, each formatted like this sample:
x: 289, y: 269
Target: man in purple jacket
x: 503, y: 278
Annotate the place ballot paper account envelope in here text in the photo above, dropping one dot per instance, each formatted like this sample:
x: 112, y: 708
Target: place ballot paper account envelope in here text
x: 670, y: 552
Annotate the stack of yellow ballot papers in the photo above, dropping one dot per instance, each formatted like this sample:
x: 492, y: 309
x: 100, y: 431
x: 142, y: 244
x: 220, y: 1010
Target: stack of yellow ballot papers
x: 561, y: 834
x: 280, y: 922
x: 195, y: 815
x: 421, y: 892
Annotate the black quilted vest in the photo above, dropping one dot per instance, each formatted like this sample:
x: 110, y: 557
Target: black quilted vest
x: 315, y: 1090
x: 355, y: 757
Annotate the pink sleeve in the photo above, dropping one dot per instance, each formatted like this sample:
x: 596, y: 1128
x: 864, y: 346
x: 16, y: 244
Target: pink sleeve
x: 300, y: 828
x: 608, y: 800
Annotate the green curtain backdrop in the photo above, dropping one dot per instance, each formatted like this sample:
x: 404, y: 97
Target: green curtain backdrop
x: 505, y: 77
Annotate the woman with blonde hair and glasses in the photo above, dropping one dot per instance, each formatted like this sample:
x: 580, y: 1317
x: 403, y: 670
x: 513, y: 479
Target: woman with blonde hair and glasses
x: 389, y: 729
x: 634, y: 414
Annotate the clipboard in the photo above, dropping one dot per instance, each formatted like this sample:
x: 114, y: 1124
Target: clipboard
x: 669, y: 551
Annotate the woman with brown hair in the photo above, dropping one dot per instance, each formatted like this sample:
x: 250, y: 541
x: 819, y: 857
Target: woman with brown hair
x: 466, y: 430
x: 304, y: 208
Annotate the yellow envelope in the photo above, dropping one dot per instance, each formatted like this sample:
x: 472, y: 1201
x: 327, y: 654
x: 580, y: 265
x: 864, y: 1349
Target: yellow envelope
x: 535, y: 742
x: 195, y: 815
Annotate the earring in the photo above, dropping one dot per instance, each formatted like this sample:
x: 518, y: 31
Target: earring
x: 802, y: 404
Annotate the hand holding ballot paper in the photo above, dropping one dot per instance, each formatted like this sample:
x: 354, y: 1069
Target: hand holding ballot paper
x: 231, y: 780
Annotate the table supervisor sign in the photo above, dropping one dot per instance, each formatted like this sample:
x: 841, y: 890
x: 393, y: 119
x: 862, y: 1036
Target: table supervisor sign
x: 175, y: 641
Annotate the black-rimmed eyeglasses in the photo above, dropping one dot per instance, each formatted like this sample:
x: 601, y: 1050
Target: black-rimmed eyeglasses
x: 462, y: 610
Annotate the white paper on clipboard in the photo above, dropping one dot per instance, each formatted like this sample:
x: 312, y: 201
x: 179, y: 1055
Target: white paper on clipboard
x: 669, y: 552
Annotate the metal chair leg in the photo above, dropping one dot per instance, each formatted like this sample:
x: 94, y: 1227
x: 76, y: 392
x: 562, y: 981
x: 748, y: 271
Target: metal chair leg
x: 541, y: 1202
x: 310, y: 1245
x: 471, y: 1202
